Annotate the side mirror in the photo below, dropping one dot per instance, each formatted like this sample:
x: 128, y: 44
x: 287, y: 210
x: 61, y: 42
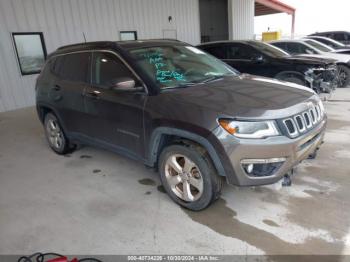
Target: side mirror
x: 258, y: 59
x: 125, y: 84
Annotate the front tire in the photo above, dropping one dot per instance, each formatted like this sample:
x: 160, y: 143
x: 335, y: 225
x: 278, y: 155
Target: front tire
x: 189, y: 177
x: 55, y: 136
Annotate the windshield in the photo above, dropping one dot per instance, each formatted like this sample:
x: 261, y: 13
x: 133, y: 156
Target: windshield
x: 268, y: 49
x: 329, y: 42
x: 319, y: 46
x: 179, y: 66
x: 336, y: 43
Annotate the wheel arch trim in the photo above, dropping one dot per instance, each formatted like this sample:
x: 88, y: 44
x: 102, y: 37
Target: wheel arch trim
x: 155, y: 140
x: 39, y: 107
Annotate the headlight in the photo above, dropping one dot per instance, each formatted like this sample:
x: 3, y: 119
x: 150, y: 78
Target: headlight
x: 245, y: 129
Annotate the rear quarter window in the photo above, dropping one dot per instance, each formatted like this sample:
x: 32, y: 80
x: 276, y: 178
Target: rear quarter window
x: 72, y: 67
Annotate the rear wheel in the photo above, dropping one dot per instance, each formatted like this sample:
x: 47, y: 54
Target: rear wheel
x: 344, y: 76
x: 55, y: 135
x: 188, y: 176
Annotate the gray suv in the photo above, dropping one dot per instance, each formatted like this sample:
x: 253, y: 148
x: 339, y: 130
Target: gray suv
x: 180, y: 110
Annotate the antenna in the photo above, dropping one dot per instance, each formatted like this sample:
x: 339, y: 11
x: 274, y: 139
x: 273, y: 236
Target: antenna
x: 84, y: 37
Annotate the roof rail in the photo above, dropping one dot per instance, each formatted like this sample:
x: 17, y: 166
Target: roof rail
x: 84, y: 44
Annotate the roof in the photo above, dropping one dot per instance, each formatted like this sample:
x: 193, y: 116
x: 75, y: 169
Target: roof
x: 329, y: 32
x: 228, y: 41
x: 267, y: 7
x: 116, y: 44
x: 148, y: 43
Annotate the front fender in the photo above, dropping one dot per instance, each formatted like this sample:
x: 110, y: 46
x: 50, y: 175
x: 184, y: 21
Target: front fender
x: 157, y: 134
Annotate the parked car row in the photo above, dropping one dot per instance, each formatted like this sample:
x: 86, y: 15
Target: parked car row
x: 314, y: 49
x: 333, y: 45
x: 258, y: 58
x: 340, y: 36
x: 192, y: 117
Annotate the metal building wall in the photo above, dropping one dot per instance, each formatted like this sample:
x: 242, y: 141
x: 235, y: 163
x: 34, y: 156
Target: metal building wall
x: 64, y: 21
x: 241, y: 19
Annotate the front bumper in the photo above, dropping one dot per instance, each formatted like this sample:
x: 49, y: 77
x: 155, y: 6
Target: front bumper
x: 325, y: 81
x: 293, y: 150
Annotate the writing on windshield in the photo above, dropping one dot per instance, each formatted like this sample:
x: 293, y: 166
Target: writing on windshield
x: 162, y: 72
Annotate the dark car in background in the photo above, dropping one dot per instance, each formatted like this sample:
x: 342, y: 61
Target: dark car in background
x: 341, y: 36
x: 338, y: 47
x: 314, y: 49
x: 262, y: 59
x: 172, y: 106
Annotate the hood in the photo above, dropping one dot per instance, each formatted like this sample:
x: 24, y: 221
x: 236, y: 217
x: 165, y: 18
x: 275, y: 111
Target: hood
x: 310, y: 60
x: 341, y: 51
x: 245, y: 96
x: 340, y: 58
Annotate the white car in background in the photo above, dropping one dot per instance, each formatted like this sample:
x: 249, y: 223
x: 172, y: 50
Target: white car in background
x: 336, y: 46
x: 313, y: 48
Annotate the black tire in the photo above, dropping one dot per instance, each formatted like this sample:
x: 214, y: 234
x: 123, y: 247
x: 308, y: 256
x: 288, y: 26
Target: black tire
x: 55, y: 137
x: 344, y: 76
x: 211, y: 181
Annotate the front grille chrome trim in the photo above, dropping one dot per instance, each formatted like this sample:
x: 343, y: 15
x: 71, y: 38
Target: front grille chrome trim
x: 306, y: 116
x: 302, y: 122
x: 291, y: 134
x: 302, y: 126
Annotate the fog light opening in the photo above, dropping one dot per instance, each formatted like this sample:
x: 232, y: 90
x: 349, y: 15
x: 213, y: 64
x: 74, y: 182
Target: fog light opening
x: 262, y: 167
x: 250, y: 168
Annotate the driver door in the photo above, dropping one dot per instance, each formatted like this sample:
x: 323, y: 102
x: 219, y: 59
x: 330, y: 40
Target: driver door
x: 116, y: 116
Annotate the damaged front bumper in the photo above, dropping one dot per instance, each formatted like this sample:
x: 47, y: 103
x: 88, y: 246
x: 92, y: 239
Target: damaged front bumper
x: 323, y: 79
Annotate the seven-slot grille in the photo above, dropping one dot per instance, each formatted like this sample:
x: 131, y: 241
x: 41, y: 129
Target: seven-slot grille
x: 304, y: 121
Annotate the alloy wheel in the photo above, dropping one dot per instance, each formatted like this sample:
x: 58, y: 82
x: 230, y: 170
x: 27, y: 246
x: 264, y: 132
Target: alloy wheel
x: 55, y: 134
x: 184, y: 177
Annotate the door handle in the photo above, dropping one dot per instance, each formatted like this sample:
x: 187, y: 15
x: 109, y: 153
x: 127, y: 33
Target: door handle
x: 93, y: 94
x: 56, y: 88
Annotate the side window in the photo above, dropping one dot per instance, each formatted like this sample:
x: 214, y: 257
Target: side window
x: 339, y: 36
x: 217, y: 51
x: 293, y: 48
x: 306, y: 50
x: 57, y: 64
x: 240, y: 52
x: 330, y: 36
x: 280, y: 45
x: 72, y: 67
x: 296, y: 48
x: 107, y: 68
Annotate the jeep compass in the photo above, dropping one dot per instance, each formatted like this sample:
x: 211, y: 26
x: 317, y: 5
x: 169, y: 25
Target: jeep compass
x: 178, y: 109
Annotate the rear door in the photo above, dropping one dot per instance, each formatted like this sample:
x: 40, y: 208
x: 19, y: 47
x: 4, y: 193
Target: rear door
x: 71, y: 77
x: 115, y: 116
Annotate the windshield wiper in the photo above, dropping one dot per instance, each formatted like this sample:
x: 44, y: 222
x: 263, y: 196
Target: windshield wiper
x: 211, y: 78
